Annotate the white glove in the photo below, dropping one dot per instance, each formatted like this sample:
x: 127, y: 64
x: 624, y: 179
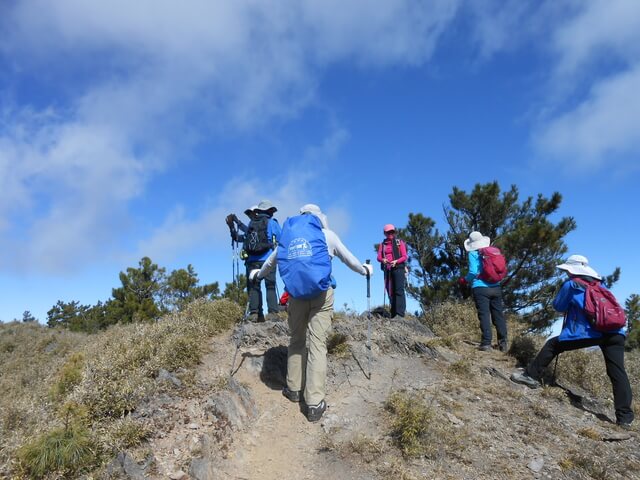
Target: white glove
x: 253, y: 275
x: 369, y: 268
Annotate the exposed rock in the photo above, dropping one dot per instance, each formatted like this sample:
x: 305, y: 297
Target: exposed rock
x: 202, y: 469
x: 536, y: 464
x: 166, y: 377
x: 234, y: 405
x: 615, y: 437
x: 124, y: 466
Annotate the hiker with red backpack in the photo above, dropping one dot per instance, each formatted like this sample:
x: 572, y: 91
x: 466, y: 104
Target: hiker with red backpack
x: 487, y: 267
x: 259, y: 239
x: 303, y: 258
x: 392, y: 255
x: 593, y: 317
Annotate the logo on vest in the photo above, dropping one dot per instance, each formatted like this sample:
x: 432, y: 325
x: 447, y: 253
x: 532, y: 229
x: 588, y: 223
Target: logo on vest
x: 299, y: 247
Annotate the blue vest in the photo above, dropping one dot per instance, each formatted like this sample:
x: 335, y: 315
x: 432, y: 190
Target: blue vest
x: 303, y: 257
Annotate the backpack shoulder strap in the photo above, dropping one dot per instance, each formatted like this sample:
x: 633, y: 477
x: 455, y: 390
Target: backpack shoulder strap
x: 395, y: 244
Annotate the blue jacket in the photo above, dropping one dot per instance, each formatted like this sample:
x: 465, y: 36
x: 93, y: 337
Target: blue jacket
x: 273, y: 230
x: 576, y: 326
x: 475, y: 269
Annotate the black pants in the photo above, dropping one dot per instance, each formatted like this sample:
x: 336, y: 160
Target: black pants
x: 394, y: 284
x: 489, y: 305
x: 612, y: 347
x: 255, y: 294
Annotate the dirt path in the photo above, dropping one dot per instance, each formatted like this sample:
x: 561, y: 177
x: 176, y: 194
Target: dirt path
x: 492, y: 428
x: 278, y: 442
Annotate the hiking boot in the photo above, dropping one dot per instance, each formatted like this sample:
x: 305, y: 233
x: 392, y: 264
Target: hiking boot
x: 485, y: 348
x: 502, y: 345
x: 253, y: 317
x: 314, y: 412
x: 272, y: 317
x: 525, y: 379
x: 292, y: 395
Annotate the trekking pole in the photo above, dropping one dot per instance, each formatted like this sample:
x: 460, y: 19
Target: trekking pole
x: 237, y: 273
x: 555, y: 366
x: 368, y: 320
x: 384, y: 294
x: 233, y: 261
x: 239, y: 341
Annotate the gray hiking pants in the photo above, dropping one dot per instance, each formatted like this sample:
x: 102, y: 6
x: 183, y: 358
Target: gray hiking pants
x: 307, y: 358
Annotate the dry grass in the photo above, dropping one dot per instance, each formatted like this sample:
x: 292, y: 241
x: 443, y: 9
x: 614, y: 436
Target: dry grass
x: 590, y: 433
x: 337, y: 345
x: 524, y: 348
x: 453, y: 322
x: 368, y: 449
x: 419, y: 429
x: 462, y: 368
x: 58, y: 386
x: 585, y: 462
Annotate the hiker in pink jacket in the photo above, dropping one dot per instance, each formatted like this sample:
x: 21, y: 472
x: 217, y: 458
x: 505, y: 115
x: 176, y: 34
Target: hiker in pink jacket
x: 392, y: 255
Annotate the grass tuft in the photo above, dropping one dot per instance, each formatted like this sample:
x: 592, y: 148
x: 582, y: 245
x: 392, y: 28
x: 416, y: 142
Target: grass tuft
x: 337, y: 345
x: 524, y: 348
x: 70, y: 375
x: 64, y: 451
x: 416, y: 428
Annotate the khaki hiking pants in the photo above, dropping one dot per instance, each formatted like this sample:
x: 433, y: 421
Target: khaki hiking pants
x: 310, y: 318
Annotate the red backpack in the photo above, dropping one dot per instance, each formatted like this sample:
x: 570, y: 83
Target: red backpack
x: 601, y: 307
x: 494, y: 265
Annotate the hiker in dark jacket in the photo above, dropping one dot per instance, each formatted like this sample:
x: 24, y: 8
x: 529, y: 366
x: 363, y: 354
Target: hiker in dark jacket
x: 487, y: 296
x: 578, y: 332
x: 392, y: 255
x: 259, y: 215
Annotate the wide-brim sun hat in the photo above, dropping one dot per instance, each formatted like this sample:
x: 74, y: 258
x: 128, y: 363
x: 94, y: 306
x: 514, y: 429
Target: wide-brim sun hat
x: 249, y: 211
x: 579, y: 265
x: 476, y: 241
x: 267, y: 207
x: 389, y: 228
x: 315, y: 210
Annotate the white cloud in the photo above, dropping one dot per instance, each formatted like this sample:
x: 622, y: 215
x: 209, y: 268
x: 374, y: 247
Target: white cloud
x: 288, y: 192
x: 593, y: 113
x: 601, y: 30
x: 605, y: 125
x: 131, y: 79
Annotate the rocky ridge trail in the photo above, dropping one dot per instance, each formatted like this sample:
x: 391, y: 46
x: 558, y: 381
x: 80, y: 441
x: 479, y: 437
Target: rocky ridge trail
x: 484, y: 426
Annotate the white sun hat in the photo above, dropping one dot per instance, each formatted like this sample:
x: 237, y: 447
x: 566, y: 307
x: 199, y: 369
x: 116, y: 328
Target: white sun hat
x: 249, y: 211
x: 315, y: 210
x: 579, y: 265
x: 476, y: 241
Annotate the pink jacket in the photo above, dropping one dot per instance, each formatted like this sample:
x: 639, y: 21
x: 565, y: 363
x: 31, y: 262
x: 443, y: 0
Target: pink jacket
x: 386, y: 249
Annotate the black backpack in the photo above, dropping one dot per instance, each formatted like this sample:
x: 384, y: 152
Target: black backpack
x: 256, y: 239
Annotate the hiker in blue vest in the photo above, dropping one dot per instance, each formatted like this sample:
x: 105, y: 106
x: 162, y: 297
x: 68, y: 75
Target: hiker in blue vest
x: 392, y: 255
x: 486, y: 295
x: 259, y: 239
x: 578, y: 332
x: 303, y: 257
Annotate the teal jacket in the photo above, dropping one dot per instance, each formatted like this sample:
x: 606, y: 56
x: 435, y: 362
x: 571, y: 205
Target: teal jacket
x: 475, y: 269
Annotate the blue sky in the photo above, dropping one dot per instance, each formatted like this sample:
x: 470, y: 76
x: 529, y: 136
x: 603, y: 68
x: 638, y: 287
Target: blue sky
x: 132, y: 129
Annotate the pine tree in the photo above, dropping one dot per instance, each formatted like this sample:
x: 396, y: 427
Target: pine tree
x: 138, y: 298
x: 632, y: 310
x: 181, y: 287
x: 532, y: 243
x: 237, y: 291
